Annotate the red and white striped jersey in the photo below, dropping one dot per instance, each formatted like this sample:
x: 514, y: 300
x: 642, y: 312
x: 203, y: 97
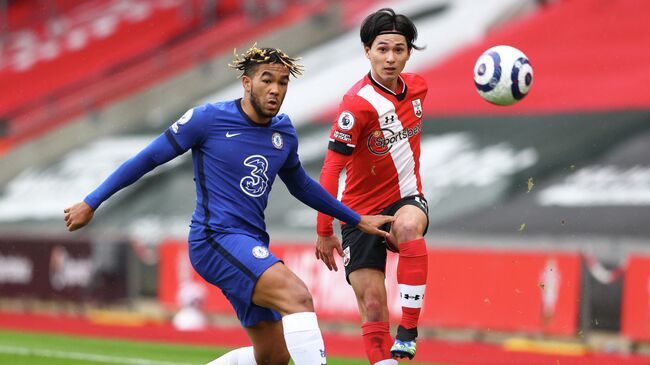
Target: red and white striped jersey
x: 380, y: 130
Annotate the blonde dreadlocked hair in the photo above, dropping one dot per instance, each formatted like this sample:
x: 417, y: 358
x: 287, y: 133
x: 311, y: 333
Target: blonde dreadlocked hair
x: 246, y: 62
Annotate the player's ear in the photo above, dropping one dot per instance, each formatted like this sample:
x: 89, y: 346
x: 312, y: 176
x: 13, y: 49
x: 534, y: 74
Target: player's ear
x: 246, y: 83
x: 367, y: 52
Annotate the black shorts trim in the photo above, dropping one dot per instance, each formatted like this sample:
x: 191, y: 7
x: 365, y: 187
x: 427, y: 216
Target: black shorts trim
x: 362, y: 250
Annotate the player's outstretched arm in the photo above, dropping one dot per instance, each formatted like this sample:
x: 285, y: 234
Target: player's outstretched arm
x: 371, y: 223
x: 308, y: 191
x: 77, y: 215
x: 156, y: 153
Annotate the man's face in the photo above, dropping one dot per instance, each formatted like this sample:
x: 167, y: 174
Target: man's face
x: 266, y: 88
x: 388, y: 55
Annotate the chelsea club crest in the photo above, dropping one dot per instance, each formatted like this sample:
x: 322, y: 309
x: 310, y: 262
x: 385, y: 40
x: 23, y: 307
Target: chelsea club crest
x: 276, y: 138
x: 260, y: 252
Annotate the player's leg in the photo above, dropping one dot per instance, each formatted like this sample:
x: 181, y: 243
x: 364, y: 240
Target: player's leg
x: 268, y: 347
x: 370, y: 291
x: 408, y: 231
x: 234, y: 264
x: 364, y: 261
x: 280, y: 289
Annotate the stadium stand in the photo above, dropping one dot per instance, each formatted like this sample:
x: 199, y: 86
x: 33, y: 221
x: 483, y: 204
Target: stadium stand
x: 170, y: 61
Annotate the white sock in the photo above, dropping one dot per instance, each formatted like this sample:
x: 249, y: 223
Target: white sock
x: 303, y: 338
x: 386, y: 362
x: 240, y: 356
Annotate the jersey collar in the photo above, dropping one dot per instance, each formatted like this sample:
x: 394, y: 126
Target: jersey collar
x: 399, y: 96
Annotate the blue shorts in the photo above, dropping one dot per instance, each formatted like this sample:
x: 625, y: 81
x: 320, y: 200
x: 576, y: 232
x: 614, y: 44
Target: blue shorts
x: 234, y: 263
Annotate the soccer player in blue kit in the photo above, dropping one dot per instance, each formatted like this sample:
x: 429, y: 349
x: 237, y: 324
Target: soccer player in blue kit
x: 238, y: 148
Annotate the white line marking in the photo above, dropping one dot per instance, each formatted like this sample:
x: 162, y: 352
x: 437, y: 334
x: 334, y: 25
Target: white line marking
x: 23, y: 351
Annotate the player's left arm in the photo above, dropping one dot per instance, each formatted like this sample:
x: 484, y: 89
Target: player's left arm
x: 308, y: 191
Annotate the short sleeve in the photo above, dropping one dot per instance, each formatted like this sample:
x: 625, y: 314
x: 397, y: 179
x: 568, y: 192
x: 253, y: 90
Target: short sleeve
x: 347, y: 126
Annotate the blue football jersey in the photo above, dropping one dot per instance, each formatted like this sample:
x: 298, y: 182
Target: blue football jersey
x: 235, y: 163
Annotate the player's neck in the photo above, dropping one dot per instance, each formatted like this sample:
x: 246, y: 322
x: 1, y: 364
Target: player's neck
x: 247, y: 107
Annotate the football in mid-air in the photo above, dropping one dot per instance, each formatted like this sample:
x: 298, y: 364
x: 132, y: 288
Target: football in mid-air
x: 503, y: 75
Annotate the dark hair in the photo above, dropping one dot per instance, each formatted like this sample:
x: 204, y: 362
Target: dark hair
x: 385, y: 21
x: 248, y: 62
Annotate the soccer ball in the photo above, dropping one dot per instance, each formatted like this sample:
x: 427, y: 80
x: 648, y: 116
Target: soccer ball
x: 503, y: 75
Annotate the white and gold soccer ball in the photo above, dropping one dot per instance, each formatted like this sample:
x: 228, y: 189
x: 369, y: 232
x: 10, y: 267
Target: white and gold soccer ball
x: 503, y: 75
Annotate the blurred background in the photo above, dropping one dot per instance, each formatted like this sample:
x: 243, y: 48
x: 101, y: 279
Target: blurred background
x: 540, y: 212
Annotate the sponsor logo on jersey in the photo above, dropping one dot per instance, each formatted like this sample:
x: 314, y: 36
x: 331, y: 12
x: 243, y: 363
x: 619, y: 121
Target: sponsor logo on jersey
x: 417, y: 107
x: 388, y: 119
x: 182, y: 120
x: 381, y: 141
x: 346, y: 121
x: 230, y: 135
x: 277, y: 140
x: 260, y: 252
x: 257, y: 182
x: 342, y: 136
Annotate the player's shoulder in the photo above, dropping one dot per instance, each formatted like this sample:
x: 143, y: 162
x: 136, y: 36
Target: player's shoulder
x: 282, y: 121
x: 352, y: 100
x: 204, y: 111
x: 221, y: 110
x: 414, y: 81
x: 354, y: 90
x: 227, y: 106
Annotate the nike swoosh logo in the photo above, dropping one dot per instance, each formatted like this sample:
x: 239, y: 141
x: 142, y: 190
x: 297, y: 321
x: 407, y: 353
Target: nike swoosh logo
x: 230, y: 135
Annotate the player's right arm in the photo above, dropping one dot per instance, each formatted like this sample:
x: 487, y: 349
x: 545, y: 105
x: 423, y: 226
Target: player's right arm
x: 156, y: 153
x: 327, y: 242
x: 344, y: 134
x: 181, y: 136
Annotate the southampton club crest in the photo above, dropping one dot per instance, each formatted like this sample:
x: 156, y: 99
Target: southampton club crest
x: 417, y: 107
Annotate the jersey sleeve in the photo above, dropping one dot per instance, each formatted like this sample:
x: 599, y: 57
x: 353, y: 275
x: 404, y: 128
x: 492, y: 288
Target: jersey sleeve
x: 186, y: 132
x: 293, y: 159
x: 329, y: 179
x: 314, y: 195
x: 189, y: 130
x: 348, y: 125
x: 158, y: 152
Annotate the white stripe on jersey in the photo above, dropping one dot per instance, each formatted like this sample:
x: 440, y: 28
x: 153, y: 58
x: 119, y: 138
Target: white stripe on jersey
x: 401, y: 151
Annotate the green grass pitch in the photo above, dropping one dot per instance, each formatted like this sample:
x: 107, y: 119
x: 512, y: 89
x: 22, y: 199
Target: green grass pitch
x: 49, y: 349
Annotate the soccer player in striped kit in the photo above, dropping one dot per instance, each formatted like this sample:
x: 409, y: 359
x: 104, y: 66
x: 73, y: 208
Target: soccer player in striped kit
x: 238, y: 148
x: 376, y: 138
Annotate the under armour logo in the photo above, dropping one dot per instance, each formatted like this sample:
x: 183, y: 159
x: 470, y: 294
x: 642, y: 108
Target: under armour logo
x: 414, y: 297
x: 389, y: 119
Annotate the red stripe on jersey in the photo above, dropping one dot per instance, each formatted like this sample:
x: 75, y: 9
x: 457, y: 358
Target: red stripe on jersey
x: 381, y: 131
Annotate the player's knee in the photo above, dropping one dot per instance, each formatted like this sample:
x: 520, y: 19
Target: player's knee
x: 375, y: 308
x: 303, y: 302
x: 294, y: 297
x: 407, y: 229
